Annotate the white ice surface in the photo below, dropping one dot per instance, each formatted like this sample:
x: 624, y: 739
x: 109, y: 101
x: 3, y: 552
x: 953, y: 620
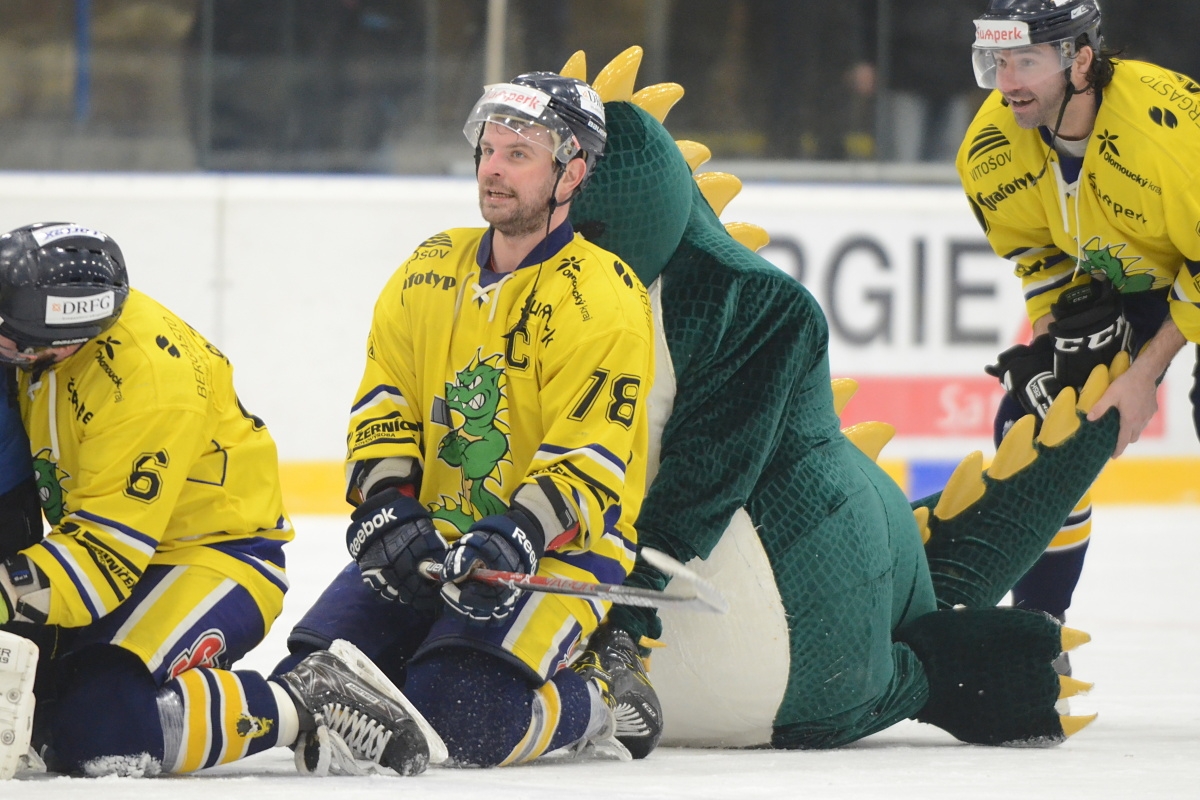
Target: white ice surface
x: 1139, y: 599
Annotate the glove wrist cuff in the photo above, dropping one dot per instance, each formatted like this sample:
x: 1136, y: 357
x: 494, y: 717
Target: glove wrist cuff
x: 532, y: 528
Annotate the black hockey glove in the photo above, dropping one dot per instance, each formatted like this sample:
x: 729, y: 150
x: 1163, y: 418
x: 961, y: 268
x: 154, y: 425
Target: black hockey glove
x: 1027, y: 372
x: 511, y: 542
x: 1089, y: 328
x: 635, y: 620
x: 24, y: 592
x: 389, y: 535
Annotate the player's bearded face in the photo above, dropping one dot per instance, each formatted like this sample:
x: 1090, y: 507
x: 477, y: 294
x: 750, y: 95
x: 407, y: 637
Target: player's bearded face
x: 1031, y: 80
x: 516, y: 177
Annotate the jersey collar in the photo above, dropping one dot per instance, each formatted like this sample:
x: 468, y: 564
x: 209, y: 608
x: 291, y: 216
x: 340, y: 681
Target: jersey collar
x: 559, y: 238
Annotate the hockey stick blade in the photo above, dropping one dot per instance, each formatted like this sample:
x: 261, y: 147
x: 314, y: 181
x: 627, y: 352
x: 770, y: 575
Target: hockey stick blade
x: 686, y: 596
x: 705, y: 592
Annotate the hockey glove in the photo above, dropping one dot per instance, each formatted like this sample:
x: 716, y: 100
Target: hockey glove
x: 511, y: 542
x: 1027, y: 372
x: 640, y: 621
x: 389, y: 535
x: 24, y: 591
x: 1089, y: 328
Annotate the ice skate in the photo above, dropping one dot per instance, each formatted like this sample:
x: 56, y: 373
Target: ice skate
x: 613, y: 662
x: 354, y: 720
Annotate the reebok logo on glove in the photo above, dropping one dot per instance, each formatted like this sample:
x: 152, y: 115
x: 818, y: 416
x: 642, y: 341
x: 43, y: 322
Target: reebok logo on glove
x: 527, y: 546
x: 369, y: 526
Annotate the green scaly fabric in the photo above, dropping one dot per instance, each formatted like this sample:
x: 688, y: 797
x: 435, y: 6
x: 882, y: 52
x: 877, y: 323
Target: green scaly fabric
x: 753, y: 426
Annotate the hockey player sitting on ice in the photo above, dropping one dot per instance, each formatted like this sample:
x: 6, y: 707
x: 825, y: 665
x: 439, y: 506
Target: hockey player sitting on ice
x: 501, y: 422
x: 835, y: 630
x: 164, y: 560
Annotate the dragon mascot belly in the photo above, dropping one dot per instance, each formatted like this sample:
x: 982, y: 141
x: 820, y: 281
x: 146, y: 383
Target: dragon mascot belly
x: 851, y: 609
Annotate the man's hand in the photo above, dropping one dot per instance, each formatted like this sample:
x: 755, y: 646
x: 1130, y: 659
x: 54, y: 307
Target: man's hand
x: 389, y: 535
x: 509, y: 542
x: 1136, y: 400
x: 1135, y: 394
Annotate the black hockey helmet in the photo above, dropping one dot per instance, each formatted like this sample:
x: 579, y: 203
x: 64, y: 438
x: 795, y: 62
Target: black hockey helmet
x: 60, y: 284
x: 569, y: 108
x: 1009, y: 24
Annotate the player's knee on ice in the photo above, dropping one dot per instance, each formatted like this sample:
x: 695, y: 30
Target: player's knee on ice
x: 106, y: 709
x: 482, y: 705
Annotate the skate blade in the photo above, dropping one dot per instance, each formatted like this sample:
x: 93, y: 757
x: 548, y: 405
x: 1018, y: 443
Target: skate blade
x: 374, y: 676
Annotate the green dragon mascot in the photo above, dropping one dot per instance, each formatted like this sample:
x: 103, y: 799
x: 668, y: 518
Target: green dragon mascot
x: 851, y: 609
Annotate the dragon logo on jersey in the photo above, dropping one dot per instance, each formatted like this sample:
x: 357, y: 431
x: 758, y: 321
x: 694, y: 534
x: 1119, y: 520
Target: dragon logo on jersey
x: 1107, y: 261
x: 478, y: 445
x: 49, y: 478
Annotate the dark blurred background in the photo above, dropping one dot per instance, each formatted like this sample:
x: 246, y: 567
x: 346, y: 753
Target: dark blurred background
x: 796, y: 87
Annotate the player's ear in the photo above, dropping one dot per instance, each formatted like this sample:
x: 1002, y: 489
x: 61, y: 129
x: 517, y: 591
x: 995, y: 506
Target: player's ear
x: 572, y: 176
x: 1081, y: 66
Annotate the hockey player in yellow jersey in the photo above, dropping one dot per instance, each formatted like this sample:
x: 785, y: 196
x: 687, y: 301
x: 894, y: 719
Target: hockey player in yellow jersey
x: 164, y: 561
x: 501, y: 421
x: 1081, y: 169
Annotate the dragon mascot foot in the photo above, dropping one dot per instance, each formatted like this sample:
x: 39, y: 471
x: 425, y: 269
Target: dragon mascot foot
x: 990, y: 673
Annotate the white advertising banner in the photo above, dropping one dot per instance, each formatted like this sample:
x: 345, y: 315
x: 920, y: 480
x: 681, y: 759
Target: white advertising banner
x: 917, y: 305
x: 282, y: 273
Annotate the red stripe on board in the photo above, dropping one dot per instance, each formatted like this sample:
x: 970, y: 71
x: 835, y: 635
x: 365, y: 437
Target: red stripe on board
x: 942, y: 406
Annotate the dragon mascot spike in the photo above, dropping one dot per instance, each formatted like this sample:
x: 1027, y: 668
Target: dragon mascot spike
x: 852, y: 609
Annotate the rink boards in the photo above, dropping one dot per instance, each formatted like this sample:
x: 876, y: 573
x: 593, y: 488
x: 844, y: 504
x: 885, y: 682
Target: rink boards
x: 281, y: 273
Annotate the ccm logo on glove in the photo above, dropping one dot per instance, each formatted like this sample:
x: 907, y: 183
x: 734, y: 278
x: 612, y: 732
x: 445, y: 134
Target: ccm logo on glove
x: 1095, y: 341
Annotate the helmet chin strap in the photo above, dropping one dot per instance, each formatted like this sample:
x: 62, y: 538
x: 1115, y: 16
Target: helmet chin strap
x: 553, y: 204
x: 1070, y: 92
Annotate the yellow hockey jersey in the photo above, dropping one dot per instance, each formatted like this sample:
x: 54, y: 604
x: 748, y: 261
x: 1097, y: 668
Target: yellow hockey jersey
x: 1133, y: 214
x: 142, y: 451
x: 486, y: 403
